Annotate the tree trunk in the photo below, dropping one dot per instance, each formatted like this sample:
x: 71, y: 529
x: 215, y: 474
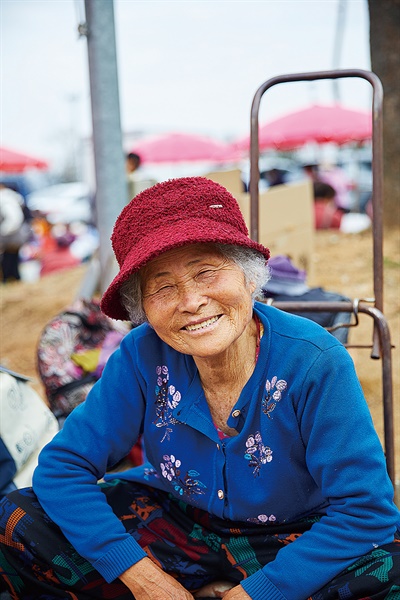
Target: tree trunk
x: 385, y: 62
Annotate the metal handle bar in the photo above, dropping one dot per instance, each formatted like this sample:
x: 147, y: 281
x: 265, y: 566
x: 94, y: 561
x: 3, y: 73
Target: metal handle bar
x: 377, y: 159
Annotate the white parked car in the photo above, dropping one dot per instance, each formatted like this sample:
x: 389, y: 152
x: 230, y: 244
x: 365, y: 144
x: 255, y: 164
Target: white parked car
x: 63, y: 203
x: 357, y: 163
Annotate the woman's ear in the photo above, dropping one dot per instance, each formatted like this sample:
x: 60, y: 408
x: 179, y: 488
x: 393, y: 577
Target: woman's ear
x: 252, y: 287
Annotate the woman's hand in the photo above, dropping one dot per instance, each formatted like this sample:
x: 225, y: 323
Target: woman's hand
x: 217, y: 589
x: 236, y: 593
x: 147, y: 581
x: 222, y: 589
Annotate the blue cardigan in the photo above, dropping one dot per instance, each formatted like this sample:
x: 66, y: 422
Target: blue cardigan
x: 306, y: 446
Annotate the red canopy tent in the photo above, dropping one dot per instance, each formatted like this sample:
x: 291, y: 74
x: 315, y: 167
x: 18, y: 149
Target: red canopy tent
x: 316, y: 123
x: 15, y: 162
x: 182, y: 147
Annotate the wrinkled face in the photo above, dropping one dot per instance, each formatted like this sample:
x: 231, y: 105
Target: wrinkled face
x: 196, y: 300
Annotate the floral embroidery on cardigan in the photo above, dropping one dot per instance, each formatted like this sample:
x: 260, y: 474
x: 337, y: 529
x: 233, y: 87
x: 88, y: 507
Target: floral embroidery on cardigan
x: 150, y: 472
x: 272, y: 397
x: 256, y: 453
x: 188, y: 485
x: 261, y: 519
x: 167, y: 398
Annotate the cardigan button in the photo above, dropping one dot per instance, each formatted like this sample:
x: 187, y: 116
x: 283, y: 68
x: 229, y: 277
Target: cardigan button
x: 221, y: 494
x: 236, y: 413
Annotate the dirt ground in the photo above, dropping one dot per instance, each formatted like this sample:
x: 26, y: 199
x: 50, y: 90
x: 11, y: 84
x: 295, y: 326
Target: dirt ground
x: 342, y: 263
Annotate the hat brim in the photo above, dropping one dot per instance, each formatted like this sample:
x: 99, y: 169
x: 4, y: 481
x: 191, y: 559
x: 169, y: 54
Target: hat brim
x: 166, y: 238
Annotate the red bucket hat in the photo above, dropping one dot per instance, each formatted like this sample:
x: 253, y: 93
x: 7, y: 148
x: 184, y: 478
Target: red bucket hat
x: 170, y: 214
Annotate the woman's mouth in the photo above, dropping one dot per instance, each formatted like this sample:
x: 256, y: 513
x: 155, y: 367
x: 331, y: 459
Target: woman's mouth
x: 202, y: 325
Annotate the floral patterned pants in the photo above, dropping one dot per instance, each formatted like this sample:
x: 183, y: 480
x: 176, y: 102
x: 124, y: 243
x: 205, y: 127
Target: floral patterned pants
x: 38, y: 563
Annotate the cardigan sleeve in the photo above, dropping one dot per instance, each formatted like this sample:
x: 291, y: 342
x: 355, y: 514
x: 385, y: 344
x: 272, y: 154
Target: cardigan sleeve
x: 93, y: 439
x: 345, y: 458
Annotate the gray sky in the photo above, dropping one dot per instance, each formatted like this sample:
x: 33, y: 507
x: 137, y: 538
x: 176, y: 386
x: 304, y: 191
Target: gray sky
x: 182, y: 65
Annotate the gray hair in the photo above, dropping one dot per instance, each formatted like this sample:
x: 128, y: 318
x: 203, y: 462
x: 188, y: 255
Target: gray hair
x: 252, y: 263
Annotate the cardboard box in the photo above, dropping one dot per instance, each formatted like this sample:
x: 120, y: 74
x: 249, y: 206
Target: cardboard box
x: 286, y: 217
x: 231, y: 180
x: 286, y: 221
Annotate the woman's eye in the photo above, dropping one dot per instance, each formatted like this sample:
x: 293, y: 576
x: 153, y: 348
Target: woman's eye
x: 206, y: 273
x: 159, y: 291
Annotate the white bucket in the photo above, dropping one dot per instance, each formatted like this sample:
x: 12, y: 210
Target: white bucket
x: 30, y: 270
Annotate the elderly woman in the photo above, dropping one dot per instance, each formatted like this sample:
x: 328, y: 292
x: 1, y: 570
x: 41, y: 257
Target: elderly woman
x: 264, y: 477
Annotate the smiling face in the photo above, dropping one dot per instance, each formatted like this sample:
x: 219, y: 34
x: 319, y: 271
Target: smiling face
x: 197, y: 300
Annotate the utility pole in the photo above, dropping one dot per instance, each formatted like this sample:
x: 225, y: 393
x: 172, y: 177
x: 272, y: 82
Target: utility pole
x: 338, y: 45
x: 111, y: 191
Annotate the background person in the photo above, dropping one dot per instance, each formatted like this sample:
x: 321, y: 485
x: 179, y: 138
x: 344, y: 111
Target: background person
x: 326, y: 213
x: 135, y: 179
x: 14, y: 232
x: 328, y: 216
x: 264, y: 467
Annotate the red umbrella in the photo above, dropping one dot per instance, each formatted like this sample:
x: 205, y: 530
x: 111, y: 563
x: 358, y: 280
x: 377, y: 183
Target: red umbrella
x: 316, y: 123
x: 15, y: 162
x: 181, y: 147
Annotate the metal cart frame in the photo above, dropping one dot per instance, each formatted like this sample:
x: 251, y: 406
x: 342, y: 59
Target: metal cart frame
x: 381, y: 344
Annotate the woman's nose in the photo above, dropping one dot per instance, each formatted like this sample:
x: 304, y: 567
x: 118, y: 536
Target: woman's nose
x: 191, y: 298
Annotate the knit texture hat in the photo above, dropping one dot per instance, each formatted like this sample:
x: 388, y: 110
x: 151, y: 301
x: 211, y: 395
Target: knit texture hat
x: 168, y: 215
